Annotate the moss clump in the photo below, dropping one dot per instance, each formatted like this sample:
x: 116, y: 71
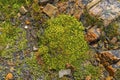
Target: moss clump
x: 63, y: 42
x: 12, y: 39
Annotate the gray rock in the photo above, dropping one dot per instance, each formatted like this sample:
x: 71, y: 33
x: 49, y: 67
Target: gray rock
x: 92, y: 3
x: 43, y: 2
x: 116, y: 53
x: 64, y: 72
x: 107, y: 10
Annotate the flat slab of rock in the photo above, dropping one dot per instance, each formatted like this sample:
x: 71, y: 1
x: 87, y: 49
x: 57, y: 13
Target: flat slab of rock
x: 107, y: 10
x: 92, y: 3
x: 50, y: 10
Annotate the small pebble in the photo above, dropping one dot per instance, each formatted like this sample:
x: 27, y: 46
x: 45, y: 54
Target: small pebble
x: 9, y: 76
x: 64, y: 72
x: 26, y: 27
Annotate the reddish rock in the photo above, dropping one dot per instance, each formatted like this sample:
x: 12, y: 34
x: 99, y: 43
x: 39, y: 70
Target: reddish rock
x: 107, y: 58
x: 111, y: 70
x: 92, y: 35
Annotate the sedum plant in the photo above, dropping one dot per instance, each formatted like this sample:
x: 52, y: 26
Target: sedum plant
x: 62, y: 42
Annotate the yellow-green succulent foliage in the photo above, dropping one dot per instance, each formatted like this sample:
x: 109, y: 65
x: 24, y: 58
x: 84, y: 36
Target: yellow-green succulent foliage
x: 62, y: 42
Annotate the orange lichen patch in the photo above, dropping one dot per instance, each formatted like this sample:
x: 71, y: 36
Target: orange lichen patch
x: 9, y: 76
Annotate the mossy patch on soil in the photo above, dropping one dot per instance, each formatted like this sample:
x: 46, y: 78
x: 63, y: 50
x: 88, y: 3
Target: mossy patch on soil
x: 63, y: 42
x: 12, y: 39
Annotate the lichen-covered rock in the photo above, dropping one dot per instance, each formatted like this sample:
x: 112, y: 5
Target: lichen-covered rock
x: 107, y: 10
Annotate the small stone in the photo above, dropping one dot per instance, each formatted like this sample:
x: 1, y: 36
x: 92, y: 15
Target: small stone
x: 109, y: 78
x: 107, y: 58
x: 114, y: 40
x: 18, y: 14
x: 9, y: 76
x: 111, y: 70
x: 117, y: 65
x: 27, y: 22
x: 50, y: 10
x: 12, y: 69
x: 64, y: 72
x: 43, y: 2
x: 116, y: 53
x: 94, y: 45
x: 35, y: 48
x: 26, y: 27
x: 23, y: 10
x: 92, y: 35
